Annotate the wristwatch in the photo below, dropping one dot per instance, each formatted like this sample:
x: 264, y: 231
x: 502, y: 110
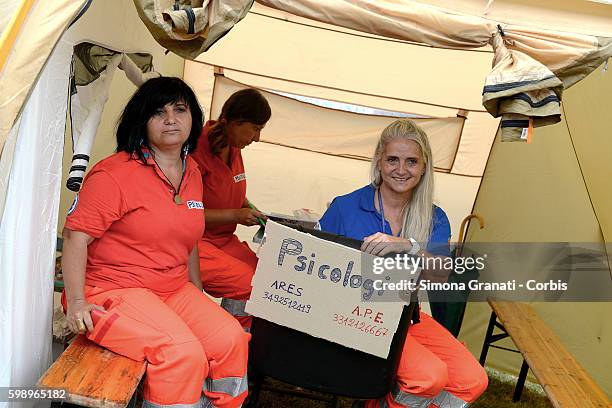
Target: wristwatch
x: 415, y: 247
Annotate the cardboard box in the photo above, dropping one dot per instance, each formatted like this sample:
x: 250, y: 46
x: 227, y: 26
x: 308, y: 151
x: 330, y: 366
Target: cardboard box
x: 315, y: 286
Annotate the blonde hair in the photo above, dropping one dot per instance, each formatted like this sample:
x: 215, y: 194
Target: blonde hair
x: 418, y: 213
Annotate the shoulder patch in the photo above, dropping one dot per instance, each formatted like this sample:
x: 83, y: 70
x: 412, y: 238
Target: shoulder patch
x: 239, y: 177
x: 74, y: 204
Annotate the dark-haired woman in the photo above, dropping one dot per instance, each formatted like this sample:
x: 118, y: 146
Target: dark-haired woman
x: 131, y: 264
x: 226, y: 264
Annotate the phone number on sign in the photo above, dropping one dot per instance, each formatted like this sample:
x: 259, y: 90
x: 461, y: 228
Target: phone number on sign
x: 359, y: 325
x: 287, y: 301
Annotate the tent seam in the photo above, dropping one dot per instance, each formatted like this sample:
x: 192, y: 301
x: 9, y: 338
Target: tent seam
x: 484, y: 171
x: 586, y: 186
x: 379, y: 38
x: 340, y: 89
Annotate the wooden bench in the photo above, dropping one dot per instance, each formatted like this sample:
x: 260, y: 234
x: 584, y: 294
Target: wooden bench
x: 94, y: 376
x: 564, y: 380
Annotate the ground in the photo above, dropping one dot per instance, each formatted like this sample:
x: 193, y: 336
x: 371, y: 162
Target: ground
x: 498, y: 395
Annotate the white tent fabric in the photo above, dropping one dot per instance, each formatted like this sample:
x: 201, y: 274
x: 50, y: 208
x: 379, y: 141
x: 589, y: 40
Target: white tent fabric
x: 19, y: 70
x: 29, y: 227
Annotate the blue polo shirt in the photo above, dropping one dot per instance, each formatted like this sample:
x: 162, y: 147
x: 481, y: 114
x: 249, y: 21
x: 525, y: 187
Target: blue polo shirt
x: 353, y: 215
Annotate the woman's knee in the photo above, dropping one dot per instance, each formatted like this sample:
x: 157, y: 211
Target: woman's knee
x: 437, y: 377
x: 480, y: 384
x: 182, y: 358
x: 470, y: 383
x: 237, y: 340
x: 229, y: 348
x: 430, y: 381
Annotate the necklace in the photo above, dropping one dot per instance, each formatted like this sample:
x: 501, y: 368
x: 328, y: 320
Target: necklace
x: 176, y: 196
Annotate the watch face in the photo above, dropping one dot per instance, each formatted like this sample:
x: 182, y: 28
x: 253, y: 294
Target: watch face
x: 415, y: 246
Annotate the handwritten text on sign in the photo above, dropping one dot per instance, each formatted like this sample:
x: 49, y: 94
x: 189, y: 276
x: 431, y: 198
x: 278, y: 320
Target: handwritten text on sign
x: 315, y: 286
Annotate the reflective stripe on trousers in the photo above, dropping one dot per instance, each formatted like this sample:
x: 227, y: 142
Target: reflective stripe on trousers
x: 234, y: 307
x: 407, y: 400
x: 233, y: 386
x: 443, y: 400
x: 149, y: 404
x: 447, y: 400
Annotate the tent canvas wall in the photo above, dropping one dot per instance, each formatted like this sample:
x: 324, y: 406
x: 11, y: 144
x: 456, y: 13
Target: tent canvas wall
x: 555, y: 190
x: 336, y: 64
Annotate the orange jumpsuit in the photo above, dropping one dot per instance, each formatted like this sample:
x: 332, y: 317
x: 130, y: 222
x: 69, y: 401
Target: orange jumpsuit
x: 137, y: 270
x: 226, y: 264
x: 435, y: 370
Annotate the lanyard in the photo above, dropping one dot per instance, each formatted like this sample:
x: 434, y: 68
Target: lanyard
x: 177, y: 198
x: 382, y: 216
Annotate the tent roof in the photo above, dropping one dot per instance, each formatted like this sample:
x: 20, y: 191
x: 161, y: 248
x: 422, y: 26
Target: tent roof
x: 578, y: 16
x: 339, y: 60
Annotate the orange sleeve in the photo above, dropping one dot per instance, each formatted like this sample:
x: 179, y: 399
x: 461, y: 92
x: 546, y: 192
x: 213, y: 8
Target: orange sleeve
x: 98, y: 204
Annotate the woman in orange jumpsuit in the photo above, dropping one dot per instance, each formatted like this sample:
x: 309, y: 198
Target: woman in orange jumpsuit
x: 226, y: 264
x: 395, y: 214
x: 131, y: 264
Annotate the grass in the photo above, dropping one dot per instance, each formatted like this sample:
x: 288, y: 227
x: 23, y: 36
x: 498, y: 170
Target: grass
x: 498, y: 395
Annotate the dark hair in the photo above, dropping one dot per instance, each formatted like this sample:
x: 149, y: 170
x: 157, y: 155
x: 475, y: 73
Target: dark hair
x: 246, y: 105
x: 152, y: 95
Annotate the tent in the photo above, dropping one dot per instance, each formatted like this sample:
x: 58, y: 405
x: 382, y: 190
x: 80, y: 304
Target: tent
x: 552, y: 189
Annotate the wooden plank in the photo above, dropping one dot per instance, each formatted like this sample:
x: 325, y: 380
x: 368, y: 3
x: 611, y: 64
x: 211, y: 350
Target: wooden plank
x: 94, y: 376
x: 564, y: 380
x: 562, y: 365
x: 543, y: 351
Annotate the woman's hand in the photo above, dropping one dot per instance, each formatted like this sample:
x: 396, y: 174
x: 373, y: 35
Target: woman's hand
x: 382, y: 244
x: 79, y: 315
x: 248, y: 216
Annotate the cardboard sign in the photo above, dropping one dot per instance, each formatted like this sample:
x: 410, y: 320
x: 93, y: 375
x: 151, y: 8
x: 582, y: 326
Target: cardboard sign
x: 315, y: 286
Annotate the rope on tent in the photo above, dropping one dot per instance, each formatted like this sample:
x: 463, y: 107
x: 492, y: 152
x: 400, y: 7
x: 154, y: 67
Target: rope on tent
x: 487, y: 7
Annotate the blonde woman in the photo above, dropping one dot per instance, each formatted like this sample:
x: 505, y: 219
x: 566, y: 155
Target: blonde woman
x: 395, y: 213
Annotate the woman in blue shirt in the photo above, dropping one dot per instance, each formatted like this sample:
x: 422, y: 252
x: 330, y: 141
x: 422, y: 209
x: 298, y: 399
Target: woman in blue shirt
x: 395, y: 213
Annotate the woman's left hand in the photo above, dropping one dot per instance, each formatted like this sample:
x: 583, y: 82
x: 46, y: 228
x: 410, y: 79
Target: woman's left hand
x: 382, y: 244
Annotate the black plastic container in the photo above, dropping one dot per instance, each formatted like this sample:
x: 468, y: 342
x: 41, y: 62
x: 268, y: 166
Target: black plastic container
x: 302, y: 360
